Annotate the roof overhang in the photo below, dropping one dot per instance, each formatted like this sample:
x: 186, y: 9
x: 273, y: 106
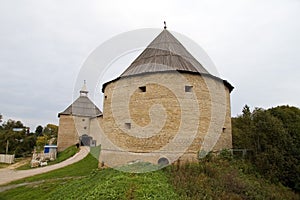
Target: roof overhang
x: 225, y: 82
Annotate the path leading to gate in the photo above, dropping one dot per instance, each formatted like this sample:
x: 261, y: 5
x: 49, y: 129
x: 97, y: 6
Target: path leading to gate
x: 8, y: 175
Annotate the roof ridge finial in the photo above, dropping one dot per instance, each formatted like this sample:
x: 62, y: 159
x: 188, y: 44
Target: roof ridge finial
x: 84, y: 91
x: 165, y: 23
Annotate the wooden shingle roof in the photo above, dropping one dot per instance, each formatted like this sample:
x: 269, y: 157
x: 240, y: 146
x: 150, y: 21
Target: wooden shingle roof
x: 164, y: 53
x: 83, y: 107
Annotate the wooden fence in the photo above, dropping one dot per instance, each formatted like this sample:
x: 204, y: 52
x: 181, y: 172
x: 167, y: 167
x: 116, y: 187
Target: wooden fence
x: 4, y: 158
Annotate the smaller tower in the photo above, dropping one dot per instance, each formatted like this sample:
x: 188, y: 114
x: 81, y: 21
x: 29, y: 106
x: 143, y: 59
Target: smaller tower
x: 75, y: 120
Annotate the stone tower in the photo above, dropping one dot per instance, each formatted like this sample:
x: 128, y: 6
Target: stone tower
x: 75, y: 122
x: 164, y: 107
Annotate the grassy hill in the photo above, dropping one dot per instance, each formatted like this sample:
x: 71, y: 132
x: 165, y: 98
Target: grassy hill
x: 214, y: 178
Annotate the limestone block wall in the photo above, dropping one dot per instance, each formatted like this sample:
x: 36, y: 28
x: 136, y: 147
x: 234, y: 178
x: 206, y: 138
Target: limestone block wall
x: 67, y: 135
x: 95, y: 129
x: 163, y: 113
x: 70, y: 128
x: 82, y: 125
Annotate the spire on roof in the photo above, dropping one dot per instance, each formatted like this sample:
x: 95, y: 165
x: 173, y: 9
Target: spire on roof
x: 84, y: 91
x: 165, y: 23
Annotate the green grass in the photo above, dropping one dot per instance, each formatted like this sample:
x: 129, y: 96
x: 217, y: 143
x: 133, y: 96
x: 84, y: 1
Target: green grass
x: 208, y: 179
x: 25, y: 166
x: 81, y: 168
x: 64, y: 155
x: 85, y: 181
x: 3, y: 165
x: 61, y: 156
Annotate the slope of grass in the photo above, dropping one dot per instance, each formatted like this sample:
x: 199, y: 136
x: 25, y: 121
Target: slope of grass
x: 85, y: 181
x: 81, y: 168
x: 64, y: 155
x: 224, y: 179
x: 216, y: 178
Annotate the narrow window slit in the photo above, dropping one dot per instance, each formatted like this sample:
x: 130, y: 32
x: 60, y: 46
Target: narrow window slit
x: 128, y: 125
x: 188, y: 88
x: 142, y: 89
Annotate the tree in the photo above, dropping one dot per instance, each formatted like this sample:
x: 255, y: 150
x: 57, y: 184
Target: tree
x: 41, y: 141
x: 273, y: 136
x: 10, y: 124
x: 242, y: 127
x: 39, y: 130
x: 20, y: 143
x: 51, y: 130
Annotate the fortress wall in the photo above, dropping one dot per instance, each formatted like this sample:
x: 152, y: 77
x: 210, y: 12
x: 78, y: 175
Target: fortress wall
x: 67, y: 135
x: 95, y: 129
x: 164, y: 110
x: 70, y: 128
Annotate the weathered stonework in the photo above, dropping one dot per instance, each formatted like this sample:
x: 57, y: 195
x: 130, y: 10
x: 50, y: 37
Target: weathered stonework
x: 139, y: 107
x: 67, y: 134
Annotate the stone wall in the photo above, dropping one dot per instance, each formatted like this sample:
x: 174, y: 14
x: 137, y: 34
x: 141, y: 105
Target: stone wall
x: 95, y: 129
x: 70, y: 128
x: 172, y: 115
x: 67, y: 135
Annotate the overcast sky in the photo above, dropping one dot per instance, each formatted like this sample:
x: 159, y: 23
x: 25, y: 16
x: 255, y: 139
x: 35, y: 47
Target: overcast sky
x: 254, y: 44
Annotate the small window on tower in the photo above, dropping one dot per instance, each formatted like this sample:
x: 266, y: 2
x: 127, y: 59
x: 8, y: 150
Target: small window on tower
x: 83, y: 120
x: 188, y: 88
x: 128, y: 125
x: 142, y: 89
x: 84, y: 127
x: 224, y: 130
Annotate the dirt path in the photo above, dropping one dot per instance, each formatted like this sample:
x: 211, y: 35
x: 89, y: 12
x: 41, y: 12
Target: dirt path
x: 18, y: 164
x: 8, y: 175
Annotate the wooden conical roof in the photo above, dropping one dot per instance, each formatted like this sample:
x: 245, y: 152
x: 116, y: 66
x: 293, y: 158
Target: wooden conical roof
x: 164, y: 53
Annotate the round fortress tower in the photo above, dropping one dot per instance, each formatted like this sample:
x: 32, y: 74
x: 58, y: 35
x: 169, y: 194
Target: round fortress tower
x: 165, y: 107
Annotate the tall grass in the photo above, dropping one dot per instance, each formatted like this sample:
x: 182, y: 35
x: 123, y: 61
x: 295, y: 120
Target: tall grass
x: 223, y: 179
x: 214, y: 178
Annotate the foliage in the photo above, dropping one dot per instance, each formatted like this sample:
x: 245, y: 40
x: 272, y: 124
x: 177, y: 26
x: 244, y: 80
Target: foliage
x: 221, y: 178
x: 39, y: 130
x: 46, y: 135
x: 51, y: 130
x: 19, y: 143
x: 41, y: 141
x: 10, y: 124
x: 272, y: 137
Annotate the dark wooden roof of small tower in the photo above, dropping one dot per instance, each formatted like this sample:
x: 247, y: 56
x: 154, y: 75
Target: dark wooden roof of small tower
x: 165, y: 54
x: 82, y: 106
